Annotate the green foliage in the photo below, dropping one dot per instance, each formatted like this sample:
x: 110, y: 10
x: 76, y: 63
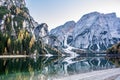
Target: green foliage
x: 113, y: 54
x: 23, y: 68
x: 13, y: 10
x: 8, y: 25
x: 25, y: 45
x: 19, y: 18
x: 14, y: 46
x: 53, y: 51
x: 115, y: 49
x: 3, y: 11
x: 11, y: 45
x: 25, y: 9
x: 21, y: 42
x: 3, y: 43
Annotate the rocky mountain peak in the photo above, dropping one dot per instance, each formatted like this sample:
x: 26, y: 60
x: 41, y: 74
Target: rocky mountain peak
x: 41, y: 31
x: 60, y: 33
x: 63, y: 29
x: 97, y: 31
x: 94, y: 31
x: 113, y: 15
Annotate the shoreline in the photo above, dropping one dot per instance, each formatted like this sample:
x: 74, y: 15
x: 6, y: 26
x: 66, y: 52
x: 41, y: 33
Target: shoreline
x: 95, y: 75
x: 14, y: 56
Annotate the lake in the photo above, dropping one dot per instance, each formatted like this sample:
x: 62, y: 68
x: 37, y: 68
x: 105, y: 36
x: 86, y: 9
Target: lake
x: 47, y: 68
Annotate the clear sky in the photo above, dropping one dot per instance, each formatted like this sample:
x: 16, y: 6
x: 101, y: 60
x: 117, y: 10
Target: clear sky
x: 57, y: 12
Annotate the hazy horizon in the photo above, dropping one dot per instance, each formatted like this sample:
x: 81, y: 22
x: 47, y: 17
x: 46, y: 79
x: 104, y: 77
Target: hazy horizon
x: 57, y: 12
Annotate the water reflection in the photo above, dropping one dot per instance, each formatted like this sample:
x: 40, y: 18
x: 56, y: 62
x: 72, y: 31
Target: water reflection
x: 43, y: 68
x: 114, y: 60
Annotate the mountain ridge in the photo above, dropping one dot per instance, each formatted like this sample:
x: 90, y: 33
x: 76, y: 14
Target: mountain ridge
x: 94, y: 31
x: 17, y: 29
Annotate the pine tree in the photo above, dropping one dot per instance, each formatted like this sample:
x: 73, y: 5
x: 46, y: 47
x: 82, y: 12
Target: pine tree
x: 9, y: 42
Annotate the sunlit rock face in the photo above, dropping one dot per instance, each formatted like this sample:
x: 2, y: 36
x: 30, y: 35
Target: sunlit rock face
x: 41, y: 31
x: 94, y: 31
x: 61, y: 33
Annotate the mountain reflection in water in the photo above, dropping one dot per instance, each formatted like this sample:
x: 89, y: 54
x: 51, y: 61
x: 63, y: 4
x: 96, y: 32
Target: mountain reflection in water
x: 43, y: 68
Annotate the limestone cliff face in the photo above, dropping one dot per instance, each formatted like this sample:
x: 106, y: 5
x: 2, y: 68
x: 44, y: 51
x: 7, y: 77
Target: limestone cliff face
x: 94, y: 31
x: 41, y: 32
x: 61, y: 33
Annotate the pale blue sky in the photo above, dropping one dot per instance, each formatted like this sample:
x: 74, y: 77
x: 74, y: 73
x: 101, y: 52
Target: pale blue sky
x: 57, y: 12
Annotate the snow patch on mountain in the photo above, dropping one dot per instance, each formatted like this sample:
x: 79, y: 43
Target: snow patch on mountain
x: 62, y: 32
